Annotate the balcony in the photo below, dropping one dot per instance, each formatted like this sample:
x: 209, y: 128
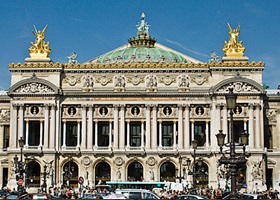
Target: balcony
x: 135, y: 150
x: 167, y: 150
x: 97, y: 150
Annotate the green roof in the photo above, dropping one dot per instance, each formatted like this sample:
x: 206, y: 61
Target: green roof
x: 143, y: 48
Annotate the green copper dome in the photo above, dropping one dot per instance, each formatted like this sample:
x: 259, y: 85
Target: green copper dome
x: 143, y: 48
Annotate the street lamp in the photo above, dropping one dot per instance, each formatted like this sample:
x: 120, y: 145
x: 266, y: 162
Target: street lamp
x: 44, y: 185
x: 234, y: 160
x: 19, y: 168
x: 180, y: 170
x: 198, y: 162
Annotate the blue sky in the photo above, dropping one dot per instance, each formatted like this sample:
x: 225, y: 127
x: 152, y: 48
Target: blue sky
x: 93, y: 27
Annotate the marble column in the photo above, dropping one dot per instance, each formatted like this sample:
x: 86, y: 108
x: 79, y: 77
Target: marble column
x: 225, y: 122
x: 148, y: 127
x: 160, y: 133
x: 46, y: 125
x: 116, y: 127
x: 174, y: 133
x: 154, y: 128
x: 20, y: 122
x: 64, y: 134
x: 84, y: 127
x: 27, y: 132
x: 41, y: 133
x: 180, y: 127
x: 95, y: 133
x: 14, y: 126
x: 128, y: 133
x: 251, y: 126
x: 122, y: 127
x: 257, y: 125
x: 142, y: 133
x: 52, y: 127
x: 78, y: 133
x: 187, y: 127
x: 207, y: 136
x: 90, y: 128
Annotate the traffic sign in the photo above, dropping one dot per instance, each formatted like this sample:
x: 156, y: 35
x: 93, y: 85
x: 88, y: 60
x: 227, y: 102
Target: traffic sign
x: 20, y: 182
x: 81, y: 180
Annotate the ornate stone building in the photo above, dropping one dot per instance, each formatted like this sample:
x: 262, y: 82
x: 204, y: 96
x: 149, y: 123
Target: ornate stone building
x: 131, y: 114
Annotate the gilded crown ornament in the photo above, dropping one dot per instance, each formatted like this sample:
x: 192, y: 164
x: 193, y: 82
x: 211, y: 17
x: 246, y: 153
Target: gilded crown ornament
x: 39, y: 48
x: 233, y: 48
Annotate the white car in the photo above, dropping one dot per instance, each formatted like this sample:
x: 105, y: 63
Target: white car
x: 137, y: 194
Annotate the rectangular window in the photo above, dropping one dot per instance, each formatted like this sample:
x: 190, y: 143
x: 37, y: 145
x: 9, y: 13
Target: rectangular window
x: 34, y: 133
x: 103, y: 134
x: 238, y: 128
x: 268, y: 137
x: 135, y: 134
x: 199, y: 133
x: 6, y: 136
x: 167, y: 134
x: 71, y: 133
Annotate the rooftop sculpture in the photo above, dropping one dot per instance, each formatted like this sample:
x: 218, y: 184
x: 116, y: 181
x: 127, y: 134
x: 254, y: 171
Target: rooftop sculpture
x: 39, y: 48
x: 233, y: 48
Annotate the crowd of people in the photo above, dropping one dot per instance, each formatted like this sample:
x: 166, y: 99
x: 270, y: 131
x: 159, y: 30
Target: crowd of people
x: 65, y: 192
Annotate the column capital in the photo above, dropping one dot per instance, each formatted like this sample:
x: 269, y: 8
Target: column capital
x: 251, y: 106
x: 258, y: 106
x: 148, y: 106
x: 84, y: 106
x: 53, y: 106
x: 180, y: 106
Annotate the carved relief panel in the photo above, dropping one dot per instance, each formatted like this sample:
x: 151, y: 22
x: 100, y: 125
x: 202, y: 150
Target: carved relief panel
x: 103, y: 111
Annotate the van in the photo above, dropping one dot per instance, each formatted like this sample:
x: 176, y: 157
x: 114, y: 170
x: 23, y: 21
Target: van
x: 137, y: 194
x: 173, y: 186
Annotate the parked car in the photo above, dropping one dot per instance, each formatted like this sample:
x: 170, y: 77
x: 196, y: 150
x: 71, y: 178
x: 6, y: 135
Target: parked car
x: 137, y: 194
x: 92, y: 196
x: 190, y: 196
x: 246, y: 196
x: 36, y: 196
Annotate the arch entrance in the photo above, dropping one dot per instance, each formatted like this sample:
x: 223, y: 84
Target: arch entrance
x: 201, y: 178
x: 167, y: 172
x: 102, y: 173
x: 135, y: 172
x: 70, y: 174
x: 33, y: 172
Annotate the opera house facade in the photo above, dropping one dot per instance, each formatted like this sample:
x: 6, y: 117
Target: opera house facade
x: 132, y: 114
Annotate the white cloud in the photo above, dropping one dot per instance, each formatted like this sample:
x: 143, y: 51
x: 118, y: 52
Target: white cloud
x: 187, y: 49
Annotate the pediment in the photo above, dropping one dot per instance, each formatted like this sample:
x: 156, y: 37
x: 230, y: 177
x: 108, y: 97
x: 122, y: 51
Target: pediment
x: 33, y: 86
x: 240, y: 85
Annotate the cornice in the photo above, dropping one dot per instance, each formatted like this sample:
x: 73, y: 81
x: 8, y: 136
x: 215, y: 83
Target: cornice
x: 36, y: 65
x: 137, y: 65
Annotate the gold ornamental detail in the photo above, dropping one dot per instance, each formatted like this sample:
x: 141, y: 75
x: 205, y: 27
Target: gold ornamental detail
x: 233, y: 48
x: 39, y: 48
x: 138, y: 66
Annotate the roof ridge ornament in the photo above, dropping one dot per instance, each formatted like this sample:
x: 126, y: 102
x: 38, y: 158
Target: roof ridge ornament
x: 143, y: 26
x: 233, y: 48
x: 143, y: 38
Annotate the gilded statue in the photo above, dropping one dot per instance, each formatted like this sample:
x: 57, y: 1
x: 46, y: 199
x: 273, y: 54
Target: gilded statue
x: 39, y: 48
x: 233, y: 48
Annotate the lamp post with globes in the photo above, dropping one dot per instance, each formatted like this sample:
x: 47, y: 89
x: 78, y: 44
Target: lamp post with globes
x: 199, y: 163
x: 234, y: 160
x: 19, y: 168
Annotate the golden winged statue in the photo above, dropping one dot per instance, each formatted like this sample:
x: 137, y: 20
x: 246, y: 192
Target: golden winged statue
x: 39, y: 48
x: 233, y: 48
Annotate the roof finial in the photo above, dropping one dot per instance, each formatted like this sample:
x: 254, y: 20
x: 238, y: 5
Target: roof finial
x: 143, y: 26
